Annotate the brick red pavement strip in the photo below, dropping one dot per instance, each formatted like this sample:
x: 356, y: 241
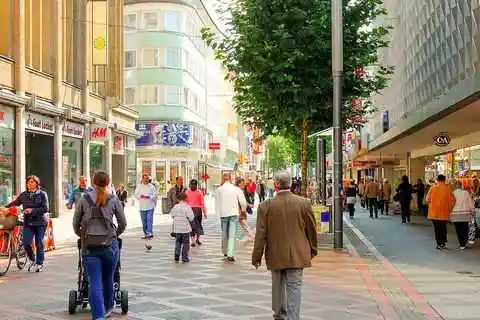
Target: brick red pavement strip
x: 407, y: 287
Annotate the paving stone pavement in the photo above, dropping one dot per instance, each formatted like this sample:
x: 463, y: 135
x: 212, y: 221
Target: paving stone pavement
x: 340, y: 285
x: 448, y: 280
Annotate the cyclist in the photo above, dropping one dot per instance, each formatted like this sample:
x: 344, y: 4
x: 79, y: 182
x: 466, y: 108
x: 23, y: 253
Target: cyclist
x: 35, y: 207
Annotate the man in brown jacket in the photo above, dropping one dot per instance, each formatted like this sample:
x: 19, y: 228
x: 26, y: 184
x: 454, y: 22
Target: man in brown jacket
x: 385, y: 196
x: 372, y: 191
x: 286, y: 232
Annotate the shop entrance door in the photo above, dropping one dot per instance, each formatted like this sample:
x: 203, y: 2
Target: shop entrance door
x: 39, y: 161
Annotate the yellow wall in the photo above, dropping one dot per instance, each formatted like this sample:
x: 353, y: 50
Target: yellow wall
x: 6, y: 13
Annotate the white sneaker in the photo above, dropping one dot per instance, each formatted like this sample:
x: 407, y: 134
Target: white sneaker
x: 31, y: 266
x: 40, y: 268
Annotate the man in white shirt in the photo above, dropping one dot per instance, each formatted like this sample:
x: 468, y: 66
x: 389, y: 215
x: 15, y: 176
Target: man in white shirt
x: 229, y: 199
x: 146, y: 195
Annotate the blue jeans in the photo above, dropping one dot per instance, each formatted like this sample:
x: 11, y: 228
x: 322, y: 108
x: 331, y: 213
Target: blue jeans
x: 229, y: 231
x: 28, y: 234
x: 100, y: 264
x: 147, y: 221
x: 182, y: 245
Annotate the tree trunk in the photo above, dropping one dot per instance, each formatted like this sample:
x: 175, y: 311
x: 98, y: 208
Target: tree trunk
x: 304, y: 156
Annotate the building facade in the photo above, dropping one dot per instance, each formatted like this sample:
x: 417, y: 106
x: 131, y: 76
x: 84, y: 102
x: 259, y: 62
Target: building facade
x: 427, y: 119
x: 61, y: 87
x: 178, y: 89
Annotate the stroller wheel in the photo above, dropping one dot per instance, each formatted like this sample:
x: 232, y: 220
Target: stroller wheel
x: 124, y: 301
x: 72, y: 302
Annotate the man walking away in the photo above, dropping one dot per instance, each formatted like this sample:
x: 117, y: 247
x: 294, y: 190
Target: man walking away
x: 286, y: 257
x: 270, y: 187
x: 229, y: 200
x: 385, y: 196
x: 351, y: 194
x: 372, y: 191
x: 419, y: 189
x: 441, y: 202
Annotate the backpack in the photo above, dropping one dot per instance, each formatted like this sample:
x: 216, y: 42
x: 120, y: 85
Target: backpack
x: 98, y: 229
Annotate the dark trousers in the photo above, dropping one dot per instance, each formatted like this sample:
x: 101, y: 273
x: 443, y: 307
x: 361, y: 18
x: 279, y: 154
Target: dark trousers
x: 351, y: 209
x: 37, y: 232
x: 182, y: 243
x: 405, y: 207
x: 383, y: 206
x: 462, y: 229
x: 261, y: 197
x: 440, y: 227
x: 372, y: 206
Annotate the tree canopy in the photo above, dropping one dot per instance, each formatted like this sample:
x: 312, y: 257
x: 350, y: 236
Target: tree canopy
x: 279, y: 153
x: 278, y: 56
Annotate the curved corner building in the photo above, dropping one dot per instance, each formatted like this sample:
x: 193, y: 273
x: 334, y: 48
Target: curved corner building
x: 168, y: 70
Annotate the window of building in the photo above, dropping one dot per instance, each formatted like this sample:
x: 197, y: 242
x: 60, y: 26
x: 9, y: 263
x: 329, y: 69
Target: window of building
x: 186, y: 96
x: 130, y: 22
x: 150, y: 58
x: 130, y: 59
x: 173, y: 21
x: 130, y: 96
x: 191, y: 28
x: 150, y: 95
x: 173, y: 58
x: 174, y: 95
x: 150, y: 20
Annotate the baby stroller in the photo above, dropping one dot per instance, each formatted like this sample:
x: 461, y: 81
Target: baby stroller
x: 80, y: 296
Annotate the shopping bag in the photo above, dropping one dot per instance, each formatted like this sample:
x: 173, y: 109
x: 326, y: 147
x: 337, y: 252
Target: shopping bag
x: 239, y: 234
x: 472, y: 231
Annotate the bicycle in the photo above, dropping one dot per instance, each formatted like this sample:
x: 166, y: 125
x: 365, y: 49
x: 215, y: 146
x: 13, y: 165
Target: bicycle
x: 13, y: 244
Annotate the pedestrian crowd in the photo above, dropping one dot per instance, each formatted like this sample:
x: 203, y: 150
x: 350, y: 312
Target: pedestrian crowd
x: 99, y: 221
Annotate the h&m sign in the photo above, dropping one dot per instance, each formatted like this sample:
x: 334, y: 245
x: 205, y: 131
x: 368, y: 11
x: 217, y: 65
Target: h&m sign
x: 98, y: 132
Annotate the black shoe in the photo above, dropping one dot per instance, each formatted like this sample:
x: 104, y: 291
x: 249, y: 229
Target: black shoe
x: 187, y: 260
x: 230, y: 260
x: 193, y: 244
x: 177, y: 259
x: 199, y: 243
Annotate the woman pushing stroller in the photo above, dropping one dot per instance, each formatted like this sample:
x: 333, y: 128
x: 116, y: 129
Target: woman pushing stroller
x: 93, y: 223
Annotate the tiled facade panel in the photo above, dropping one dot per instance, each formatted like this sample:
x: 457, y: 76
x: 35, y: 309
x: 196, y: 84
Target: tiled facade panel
x: 435, y: 45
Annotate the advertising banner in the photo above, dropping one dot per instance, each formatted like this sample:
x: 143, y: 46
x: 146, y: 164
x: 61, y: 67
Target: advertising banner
x: 165, y: 134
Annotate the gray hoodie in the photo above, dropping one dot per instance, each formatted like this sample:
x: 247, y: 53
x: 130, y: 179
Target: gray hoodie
x: 114, y: 206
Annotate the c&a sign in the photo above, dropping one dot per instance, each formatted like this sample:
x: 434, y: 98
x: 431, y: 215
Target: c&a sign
x: 98, y: 132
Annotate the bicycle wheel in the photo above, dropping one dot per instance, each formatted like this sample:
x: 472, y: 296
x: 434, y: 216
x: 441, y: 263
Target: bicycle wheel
x: 5, y: 252
x: 20, y: 253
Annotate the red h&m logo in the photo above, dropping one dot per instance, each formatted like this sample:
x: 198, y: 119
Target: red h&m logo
x: 99, y: 133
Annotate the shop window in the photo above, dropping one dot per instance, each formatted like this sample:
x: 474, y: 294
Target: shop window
x: 173, y: 58
x: 131, y: 169
x: 173, y: 21
x: 150, y: 20
x: 174, y: 95
x: 147, y: 167
x: 130, y: 21
x: 130, y: 96
x: 7, y: 172
x: 150, y: 58
x: 130, y: 59
x: 72, y: 150
x: 150, y: 95
x: 97, y: 157
x: 160, y: 176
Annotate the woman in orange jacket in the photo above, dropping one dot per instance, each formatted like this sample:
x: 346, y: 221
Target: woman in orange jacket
x: 441, y: 202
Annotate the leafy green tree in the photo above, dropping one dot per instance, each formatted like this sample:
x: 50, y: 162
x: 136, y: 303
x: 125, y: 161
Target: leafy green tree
x: 278, y: 56
x: 279, y: 155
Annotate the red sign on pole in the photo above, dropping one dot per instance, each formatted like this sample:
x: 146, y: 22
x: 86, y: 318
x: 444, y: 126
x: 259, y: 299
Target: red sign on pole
x: 214, y: 146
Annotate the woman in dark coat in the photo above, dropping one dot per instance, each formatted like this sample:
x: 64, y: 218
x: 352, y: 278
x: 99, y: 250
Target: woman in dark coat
x: 35, y: 207
x: 404, y: 196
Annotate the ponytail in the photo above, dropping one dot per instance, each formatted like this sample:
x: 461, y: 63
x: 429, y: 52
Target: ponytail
x: 100, y: 181
x: 102, y: 196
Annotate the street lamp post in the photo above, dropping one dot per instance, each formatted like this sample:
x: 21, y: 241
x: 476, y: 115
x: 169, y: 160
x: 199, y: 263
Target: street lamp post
x: 337, y: 72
